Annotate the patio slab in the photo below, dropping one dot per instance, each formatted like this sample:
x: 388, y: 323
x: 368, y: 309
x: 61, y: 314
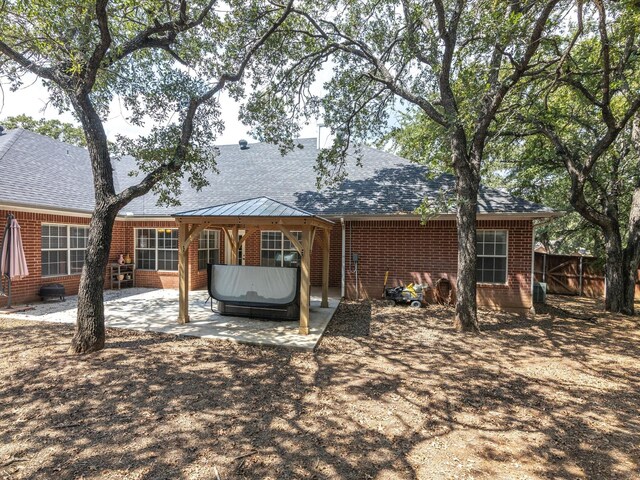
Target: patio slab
x: 156, y: 310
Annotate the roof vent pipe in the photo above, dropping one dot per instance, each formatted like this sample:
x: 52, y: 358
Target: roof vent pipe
x: 243, y: 145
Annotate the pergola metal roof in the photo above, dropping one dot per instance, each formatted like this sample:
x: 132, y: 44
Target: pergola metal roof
x: 252, y: 207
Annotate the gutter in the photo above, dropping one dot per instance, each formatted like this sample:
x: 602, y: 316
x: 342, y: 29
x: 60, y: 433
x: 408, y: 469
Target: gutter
x: 44, y: 209
x: 72, y: 212
x: 452, y: 216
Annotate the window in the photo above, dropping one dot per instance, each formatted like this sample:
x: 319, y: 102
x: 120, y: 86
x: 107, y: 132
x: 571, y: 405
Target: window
x: 208, y: 248
x: 157, y: 249
x: 63, y: 249
x: 146, y: 249
x: 491, y: 266
x: 278, y: 251
x: 78, y: 239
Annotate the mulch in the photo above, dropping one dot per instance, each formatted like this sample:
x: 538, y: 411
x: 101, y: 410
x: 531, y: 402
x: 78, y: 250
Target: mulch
x: 390, y: 393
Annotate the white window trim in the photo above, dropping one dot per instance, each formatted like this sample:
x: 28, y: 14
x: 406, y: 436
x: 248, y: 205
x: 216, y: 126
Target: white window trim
x: 282, y: 250
x: 506, y: 255
x: 135, y: 249
x: 209, y: 231
x: 69, y: 249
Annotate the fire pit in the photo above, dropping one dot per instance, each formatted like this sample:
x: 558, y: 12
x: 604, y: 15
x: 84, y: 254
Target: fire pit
x: 52, y: 290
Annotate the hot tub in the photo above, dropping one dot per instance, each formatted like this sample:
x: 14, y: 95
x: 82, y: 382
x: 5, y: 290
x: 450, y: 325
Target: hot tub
x: 261, y: 292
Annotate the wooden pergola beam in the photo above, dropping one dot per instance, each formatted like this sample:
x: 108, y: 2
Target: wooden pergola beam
x: 294, y: 241
x: 234, y: 245
x: 305, y: 281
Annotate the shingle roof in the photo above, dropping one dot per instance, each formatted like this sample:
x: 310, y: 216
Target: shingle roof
x: 40, y: 171
x: 253, y: 207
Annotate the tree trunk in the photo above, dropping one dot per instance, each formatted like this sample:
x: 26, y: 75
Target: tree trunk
x: 90, y: 330
x: 466, y: 319
x: 630, y: 276
x: 632, y: 252
x: 614, y: 298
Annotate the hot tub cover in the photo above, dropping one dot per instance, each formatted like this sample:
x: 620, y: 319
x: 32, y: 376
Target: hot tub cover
x: 253, y: 285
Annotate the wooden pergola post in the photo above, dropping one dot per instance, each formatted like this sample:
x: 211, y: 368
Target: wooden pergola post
x: 183, y: 273
x: 234, y: 245
x: 305, y: 278
x: 325, y: 268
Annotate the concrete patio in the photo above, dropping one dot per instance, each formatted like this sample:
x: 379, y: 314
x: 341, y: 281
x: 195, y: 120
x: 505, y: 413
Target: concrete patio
x: 156, y: 310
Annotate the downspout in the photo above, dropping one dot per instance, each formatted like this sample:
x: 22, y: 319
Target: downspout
x: 533, y: 265
x: 343, y: 264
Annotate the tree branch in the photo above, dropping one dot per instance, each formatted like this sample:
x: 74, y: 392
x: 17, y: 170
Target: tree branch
x: 494, y: 97
x: 101, y: 49
x: 43, y: 72
x: 148, y: 37
x: 176, y: 162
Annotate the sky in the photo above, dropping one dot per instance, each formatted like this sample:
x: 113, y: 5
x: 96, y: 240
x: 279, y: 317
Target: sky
x: 32, y: 99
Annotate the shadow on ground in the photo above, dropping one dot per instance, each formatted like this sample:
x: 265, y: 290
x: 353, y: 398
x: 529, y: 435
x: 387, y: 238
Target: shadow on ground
x: 390, y: 393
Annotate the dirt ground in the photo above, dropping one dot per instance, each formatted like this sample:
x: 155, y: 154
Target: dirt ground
x: 391, y: 393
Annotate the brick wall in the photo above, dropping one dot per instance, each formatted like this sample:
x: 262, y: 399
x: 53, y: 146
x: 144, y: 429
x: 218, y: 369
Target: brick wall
x: 424, y: 253
x: 409, y: 251
x: 26, y: 289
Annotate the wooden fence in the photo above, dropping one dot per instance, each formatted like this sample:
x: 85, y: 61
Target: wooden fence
x: 571, y: 275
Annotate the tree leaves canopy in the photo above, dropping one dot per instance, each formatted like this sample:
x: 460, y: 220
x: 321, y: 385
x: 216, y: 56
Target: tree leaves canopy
x: 387, y: 61
x: 162, y: 60
x: 65, y: 132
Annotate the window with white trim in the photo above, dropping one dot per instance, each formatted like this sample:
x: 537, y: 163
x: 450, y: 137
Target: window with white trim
x: 157, y: 249
x: 63, y: 249
x: 276, y: 250
x: 208, y: 248
x: 491, y: 265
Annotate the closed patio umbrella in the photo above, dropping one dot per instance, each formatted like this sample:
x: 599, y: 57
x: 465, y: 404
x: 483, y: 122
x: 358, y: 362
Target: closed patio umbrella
x: 13, y: 263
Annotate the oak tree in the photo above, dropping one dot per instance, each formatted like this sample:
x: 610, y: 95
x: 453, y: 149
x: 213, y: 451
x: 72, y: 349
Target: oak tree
x: 454, y: 61
x: 166, y: 61
x: 578, y: 127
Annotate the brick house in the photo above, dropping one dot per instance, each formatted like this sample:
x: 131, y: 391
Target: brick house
x: 47, y: 185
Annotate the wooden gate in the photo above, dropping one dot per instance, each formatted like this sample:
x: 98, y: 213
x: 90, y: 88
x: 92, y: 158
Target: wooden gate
x: 569, y: 274
x: 572, y: 275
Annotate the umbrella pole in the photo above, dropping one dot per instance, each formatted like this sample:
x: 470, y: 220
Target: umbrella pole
x: 7, y: 232
x: 9, y: 293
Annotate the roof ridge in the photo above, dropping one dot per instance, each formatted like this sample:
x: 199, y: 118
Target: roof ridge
x: 287, y: 205
x: 265, y: 143
x: 238, y: 202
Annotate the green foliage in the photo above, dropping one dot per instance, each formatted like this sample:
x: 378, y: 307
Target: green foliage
x: 161, y: 56
x: 564, y: 115
x: 386, y: 60
x: 563, y: 95
x: 423, y: 141
x: 65, y: 132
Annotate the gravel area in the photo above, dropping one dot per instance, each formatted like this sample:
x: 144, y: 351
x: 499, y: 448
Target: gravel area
x: 390, y: 393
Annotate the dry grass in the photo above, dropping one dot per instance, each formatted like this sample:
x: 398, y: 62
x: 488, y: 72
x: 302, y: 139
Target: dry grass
x: 391, y: 393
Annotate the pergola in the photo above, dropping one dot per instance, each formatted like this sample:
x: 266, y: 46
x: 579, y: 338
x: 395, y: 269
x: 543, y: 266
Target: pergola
x: 254, y: 215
